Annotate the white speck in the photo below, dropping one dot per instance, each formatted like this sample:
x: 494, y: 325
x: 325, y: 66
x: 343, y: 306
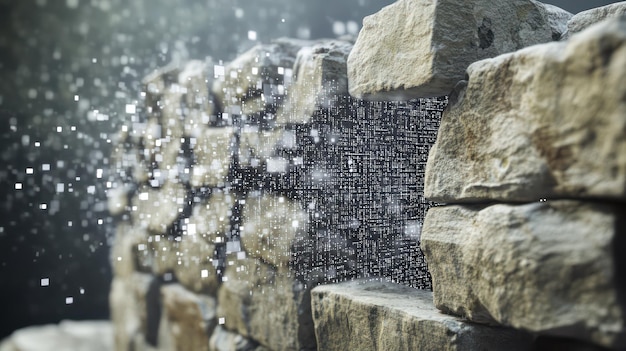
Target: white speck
x: 32, y: 93
x: 82, y: 291
x: 18, y: 186
x: 144, y: 196
x: 277, y: 165
x: 119, y: 258
x: 91, y: 189
x: 45, y: 281
x: 30, y: 171
x: 130, y: 108
x: 191, y: 229
x: 295, y: 224
x: 43, y: 206
x: 100, y: 221
x: 69, y: 223
x: 252, y: 35
x: 37, y: 144
x: 239, y: 13
x: 339, y: 28
x: 60, y: 187
x: 99, y: 173
x: 282, y: 20
x: 281, y: 70
x: 69, y: 300
x: 218, y: 71
x: 45, y: 167
x: 94, y: 60
x: 76, y: 98
x: 204, y: 273
x: 221, y: 320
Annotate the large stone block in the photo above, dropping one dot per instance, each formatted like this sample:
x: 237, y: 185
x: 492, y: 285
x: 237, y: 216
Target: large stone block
x: 320, y: 73
x: 420, y: 48
x: 372, y: 315
x: 550, y: 267
x: 585, y: 19
x: 273, y: 308
x: 271, y: 226
x: 187, y: 320
x: 544, y: 122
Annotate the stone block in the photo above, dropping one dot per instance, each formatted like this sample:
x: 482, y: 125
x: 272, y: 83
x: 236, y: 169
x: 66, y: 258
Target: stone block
x: 129, y: 251
x: 187, y: 320
x: 130, y: 310
x: 544, y: 122
x: 585, y: 19
x: 223, y: 340
x: 271, y: 226
x: 260, y: 70
x: 195, y: 264
x: 320, y: 73
x: 372, y: 315
x: 213, y: 152
x: 550, y: 267
x: 273, y: 308
x: 421, y: 48
x: 156, y: 209
x: 210, y: 219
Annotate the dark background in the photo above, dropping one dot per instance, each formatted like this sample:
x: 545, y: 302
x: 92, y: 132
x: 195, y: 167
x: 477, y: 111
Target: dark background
x: 63, y: 60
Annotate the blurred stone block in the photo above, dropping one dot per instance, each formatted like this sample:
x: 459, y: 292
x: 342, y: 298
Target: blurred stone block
x: 129, y: 310
x: 213, y: 151
x: 187, y: 320
x: 550, y: 267
x: 421, y: 48
x: 129, y: 251
x: 372, y: 315
x: 156, y: 209
x: 271, y: 226
x: 320, y: 73
x: 273, y: 308
x: 223, y: 340
x: 585, y: 19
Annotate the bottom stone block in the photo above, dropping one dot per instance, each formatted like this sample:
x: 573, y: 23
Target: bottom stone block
x: 372, y: 315
x: 554, y: 268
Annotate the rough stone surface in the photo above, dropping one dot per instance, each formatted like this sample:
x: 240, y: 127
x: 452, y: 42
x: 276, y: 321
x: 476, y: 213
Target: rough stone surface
x: 264, y: 69
x: 67, y: 336
x: 272, y: 225
x: 262, y: 304
x: 585, y: 19
x: 429, y: 53
x: 195, y: 266
x: 320, y: 73
x: 131, y: 314
x: 223, y: 340
x: 187, y: 320
x: 557, y: 130
x: 551, y: 267
x: 212, y: 152
x: 156, y: 209
x: 373, y: 315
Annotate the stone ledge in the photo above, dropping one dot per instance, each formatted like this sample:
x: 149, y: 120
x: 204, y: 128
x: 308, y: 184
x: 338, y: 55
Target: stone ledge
x: 373, y: 315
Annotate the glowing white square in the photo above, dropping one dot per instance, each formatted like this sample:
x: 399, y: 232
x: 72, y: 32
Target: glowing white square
x: 45, y: 281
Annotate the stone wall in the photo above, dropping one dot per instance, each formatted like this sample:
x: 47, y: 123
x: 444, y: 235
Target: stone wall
x: 243, y: 186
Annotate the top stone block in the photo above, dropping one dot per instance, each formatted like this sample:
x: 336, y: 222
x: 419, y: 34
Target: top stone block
x: 421, y: 48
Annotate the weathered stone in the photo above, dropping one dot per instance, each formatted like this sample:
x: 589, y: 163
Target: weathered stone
x: 195, y: 264
x: 271, y: 226
x: 198, y: 106
x: 130, y: 310
x: 320, y: 74
x: 543, y: 122
x: 187, y: 320
x: 429, y: 53
x: 270, y: 307
x: 585, y: 19
x: 68, y: 335
x: 261, y: 70
x: 213, y: 151
x: 156, y: 209
x: 550, y: 267
x: 129, y: 252
x: 211, y: 219
x: 223, y: 340
x: 373, y: 315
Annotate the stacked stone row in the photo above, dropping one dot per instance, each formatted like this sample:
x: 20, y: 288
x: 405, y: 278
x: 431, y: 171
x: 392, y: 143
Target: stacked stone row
x: 243, y: 186
x: 528, y: 169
